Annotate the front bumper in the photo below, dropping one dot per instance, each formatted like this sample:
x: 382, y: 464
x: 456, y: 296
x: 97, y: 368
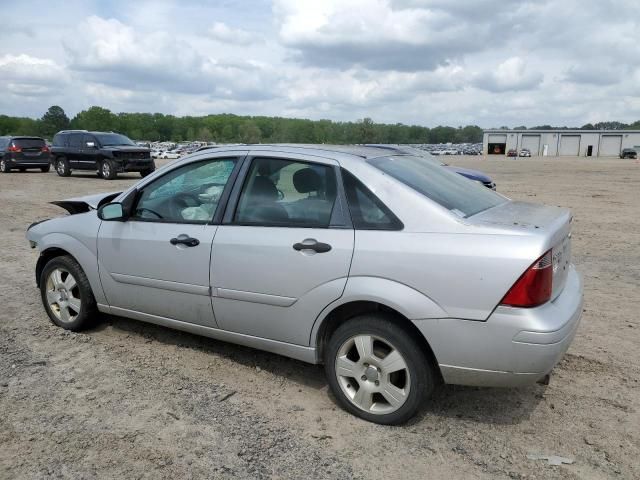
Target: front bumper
x: 514, y: 346
x: 135, y: 165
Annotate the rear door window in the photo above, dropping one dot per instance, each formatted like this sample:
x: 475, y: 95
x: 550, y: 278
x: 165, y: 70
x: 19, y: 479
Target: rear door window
x: 287, y: 193
x: 75, y: 140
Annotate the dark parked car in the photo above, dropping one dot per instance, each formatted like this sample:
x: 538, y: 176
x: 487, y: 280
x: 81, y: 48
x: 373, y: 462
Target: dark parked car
x: 21, y: 153
x: 512, y: 153
x: 107, y: 153
x: 628, y: 153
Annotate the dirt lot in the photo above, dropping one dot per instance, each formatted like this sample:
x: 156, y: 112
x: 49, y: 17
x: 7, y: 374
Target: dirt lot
x: 129, y: 400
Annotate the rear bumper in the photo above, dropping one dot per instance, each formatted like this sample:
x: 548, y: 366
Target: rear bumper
x: 513, y: 347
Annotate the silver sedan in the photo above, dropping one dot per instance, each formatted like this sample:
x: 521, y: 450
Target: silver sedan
x: 392, y: 271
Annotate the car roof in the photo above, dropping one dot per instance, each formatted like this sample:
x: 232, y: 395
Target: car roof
x: 330, y: 151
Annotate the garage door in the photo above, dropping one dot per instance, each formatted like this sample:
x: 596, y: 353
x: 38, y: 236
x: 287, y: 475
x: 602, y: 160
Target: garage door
x: 498, y: 138
x: 531, y: 143
x: 610, y: 145
x: 569, y: 145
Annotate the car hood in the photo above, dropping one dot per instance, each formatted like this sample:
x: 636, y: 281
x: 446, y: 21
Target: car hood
x: 126, y: 148
x: 86, y: 203
x: 469, y: 173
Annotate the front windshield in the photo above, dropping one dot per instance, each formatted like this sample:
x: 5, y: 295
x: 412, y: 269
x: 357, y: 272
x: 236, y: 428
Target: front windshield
x: 454, y: 192
x: 110, y: 139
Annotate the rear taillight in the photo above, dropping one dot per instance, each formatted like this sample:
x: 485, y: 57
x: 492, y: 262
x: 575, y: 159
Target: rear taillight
x: 534, y: 287
x: 45, y: 149
x: 13, y: 148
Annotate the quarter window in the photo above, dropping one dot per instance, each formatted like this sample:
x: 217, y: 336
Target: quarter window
x: 188, y: 194
x: 367, y: 211
x: 287, y: 193
x: 75, y: 140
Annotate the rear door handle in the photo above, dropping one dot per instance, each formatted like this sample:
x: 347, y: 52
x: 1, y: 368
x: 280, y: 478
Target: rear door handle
x: 312, y: 244
x: 185, y: 240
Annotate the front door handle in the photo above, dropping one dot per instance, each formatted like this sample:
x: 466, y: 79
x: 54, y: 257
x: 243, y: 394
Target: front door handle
x: 312, y: 244
x: 185, y: 240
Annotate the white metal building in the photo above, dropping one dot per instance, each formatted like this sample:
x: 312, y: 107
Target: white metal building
x: 561, y: 143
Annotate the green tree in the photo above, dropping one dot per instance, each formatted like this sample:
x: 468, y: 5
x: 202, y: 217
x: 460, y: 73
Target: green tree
x: 249, y: 132
x: 95, y: 118
x: 53, y: 121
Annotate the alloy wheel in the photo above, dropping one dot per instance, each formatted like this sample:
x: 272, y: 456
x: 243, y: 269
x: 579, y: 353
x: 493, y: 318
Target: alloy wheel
x: 372, y: 374
x: 63, y: 295
x: 60, y: 167
x: 3, y: 166
x: 106, y: 170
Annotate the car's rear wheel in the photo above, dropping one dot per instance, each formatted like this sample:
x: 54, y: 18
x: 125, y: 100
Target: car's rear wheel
x: 66, y: 294
x: 4, y: 166
x: 107, y: 170
x: 147, y: 172
x: 62, y: 167
x: 377, y: 371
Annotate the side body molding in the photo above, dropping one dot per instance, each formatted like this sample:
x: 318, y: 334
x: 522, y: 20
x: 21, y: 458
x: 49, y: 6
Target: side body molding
x: 402, y: 298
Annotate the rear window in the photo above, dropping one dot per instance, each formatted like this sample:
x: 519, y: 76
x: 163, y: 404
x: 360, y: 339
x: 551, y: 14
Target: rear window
x: 454, y: 192
x: 28, y: 142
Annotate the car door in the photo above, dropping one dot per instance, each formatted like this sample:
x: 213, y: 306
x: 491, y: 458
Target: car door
x: 90, y: 151
x: 157, y: 261
x: 284, y: 249
x: 74, y: 150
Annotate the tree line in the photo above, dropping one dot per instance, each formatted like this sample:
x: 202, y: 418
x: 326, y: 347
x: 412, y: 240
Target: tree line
x: 229, y: 128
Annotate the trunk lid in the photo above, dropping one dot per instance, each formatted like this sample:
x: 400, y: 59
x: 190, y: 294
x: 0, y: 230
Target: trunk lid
x: 553, y: 224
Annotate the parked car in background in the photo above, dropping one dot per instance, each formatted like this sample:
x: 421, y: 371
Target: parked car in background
x: 350, y: 256
x: 628, y: 153
x: 512, y: 153
x: 23, y: 153
x: 169, y: 154
x: 525, y: 152
x: 107, y: 153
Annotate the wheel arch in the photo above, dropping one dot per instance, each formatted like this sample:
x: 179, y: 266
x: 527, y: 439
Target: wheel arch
x: 58, y: 244
x: 346, y: 311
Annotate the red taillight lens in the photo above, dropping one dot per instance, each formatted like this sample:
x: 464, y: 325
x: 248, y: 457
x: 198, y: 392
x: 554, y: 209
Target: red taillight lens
x: 45, y: 149
x: 13, y: 148
x: 534, y: 287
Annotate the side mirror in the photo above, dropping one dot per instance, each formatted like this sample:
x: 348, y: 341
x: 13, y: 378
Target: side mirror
x: 111, y: 212
x: 91, y: 145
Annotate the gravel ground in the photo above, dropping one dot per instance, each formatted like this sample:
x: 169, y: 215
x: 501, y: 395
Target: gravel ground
x: 130, y: 400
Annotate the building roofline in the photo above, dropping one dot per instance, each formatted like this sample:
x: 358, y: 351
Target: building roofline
x: 560, y: 130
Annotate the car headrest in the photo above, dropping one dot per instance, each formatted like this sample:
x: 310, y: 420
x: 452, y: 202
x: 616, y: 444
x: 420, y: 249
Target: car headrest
x: 307, y: 180
x: 263, y: 189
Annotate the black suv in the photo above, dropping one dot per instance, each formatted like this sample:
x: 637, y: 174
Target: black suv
x: 23, y: 152
x: 108, y: 153
x: 628, y: 153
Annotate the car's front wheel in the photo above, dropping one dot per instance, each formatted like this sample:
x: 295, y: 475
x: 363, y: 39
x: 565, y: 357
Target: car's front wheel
x: 377, y: 371
x: 66, y: 294
x: 108, y: 170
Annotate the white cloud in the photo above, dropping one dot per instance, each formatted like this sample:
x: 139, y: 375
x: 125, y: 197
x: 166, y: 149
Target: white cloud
x: 25, y: 75
x: 512, y: 74
x: 223, y: 33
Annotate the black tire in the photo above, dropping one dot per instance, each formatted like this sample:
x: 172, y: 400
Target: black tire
x: 88, y: 309
x: 421, y: 373
x: 147, y: 172
x: 45, y: 169
x: 62, y: 167
x: 4, y: 166
x: 108, y: 169
x: 22, y: 170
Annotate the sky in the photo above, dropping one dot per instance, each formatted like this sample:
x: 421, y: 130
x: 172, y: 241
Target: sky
x: 425, y: 62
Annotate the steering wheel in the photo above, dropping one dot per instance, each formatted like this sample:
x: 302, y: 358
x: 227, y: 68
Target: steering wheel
x: 182, y: 200
x: 144, y: 209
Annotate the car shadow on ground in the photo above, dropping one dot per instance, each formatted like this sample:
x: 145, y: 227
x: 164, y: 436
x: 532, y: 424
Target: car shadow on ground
x: 500, y: 406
